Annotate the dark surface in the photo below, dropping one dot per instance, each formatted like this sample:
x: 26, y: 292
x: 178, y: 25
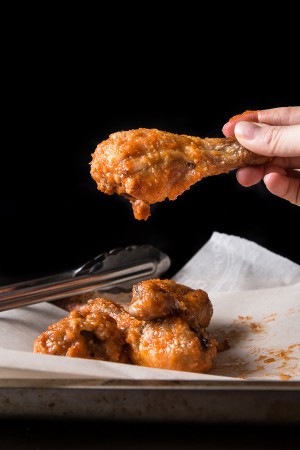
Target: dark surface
x: 134, y: 436
x: 62, y: 96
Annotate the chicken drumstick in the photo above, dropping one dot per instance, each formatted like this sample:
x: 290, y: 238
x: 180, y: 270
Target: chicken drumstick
x: 148, y: 165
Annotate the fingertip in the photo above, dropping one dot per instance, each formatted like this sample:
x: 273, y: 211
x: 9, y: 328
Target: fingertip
x: 281, y: 185
x: 228, y: 130
x: 276, y: 183
x: 248, y: 176
x: 242, y: 177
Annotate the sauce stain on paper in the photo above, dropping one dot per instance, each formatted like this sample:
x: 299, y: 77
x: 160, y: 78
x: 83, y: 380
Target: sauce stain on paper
x: 281, y: 363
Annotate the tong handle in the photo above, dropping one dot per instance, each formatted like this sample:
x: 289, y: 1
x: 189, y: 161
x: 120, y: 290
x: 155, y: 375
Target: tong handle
x: 12, y: 289
x: 119, y: 268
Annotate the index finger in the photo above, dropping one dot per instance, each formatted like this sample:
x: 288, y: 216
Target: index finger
x: 228, y: 128
x: 288, y: 115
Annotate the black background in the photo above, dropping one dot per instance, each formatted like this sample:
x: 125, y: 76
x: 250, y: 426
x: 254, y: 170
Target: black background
x: 53, y: 217
x: 72, y: 77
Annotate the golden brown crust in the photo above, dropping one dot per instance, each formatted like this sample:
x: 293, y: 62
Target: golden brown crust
x: 148, y: 165
x: 88, y: 333
x: 163, y: 326
x: 152, y: 299
x: 172, y: 344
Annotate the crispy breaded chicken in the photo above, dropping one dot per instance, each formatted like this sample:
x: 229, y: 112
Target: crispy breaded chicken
x: 148, y: 165
x: 174, y: 335
x: 89, y: 332
x: 163, y: 326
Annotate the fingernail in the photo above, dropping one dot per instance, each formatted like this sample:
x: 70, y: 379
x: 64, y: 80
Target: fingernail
x: 246, y: 130
x: 225, y: 128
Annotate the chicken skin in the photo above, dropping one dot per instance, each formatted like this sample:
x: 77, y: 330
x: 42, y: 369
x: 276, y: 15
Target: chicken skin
x: 174, y: 335
x: 159, y: 298
x: 163, y: 326
x: 86, y: 333
x: 148, y: 165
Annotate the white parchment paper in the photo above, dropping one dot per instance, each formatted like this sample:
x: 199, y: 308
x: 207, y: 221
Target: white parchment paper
x: 256, y: 300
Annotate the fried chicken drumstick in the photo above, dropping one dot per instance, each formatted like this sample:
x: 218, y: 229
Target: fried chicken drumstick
x: 148, y: 165
x: 163, y: 326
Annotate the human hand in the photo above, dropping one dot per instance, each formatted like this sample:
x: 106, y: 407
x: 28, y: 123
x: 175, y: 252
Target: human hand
x: 276, y: 133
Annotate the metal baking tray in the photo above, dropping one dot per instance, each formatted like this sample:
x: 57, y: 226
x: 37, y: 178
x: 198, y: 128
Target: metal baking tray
x: 260, y: 402
x: 212, y: 401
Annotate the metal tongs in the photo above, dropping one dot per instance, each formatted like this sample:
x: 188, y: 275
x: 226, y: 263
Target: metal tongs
x: 118, y: 269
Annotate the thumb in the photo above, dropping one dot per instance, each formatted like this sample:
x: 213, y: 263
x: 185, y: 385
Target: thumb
x: 269, y: 140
